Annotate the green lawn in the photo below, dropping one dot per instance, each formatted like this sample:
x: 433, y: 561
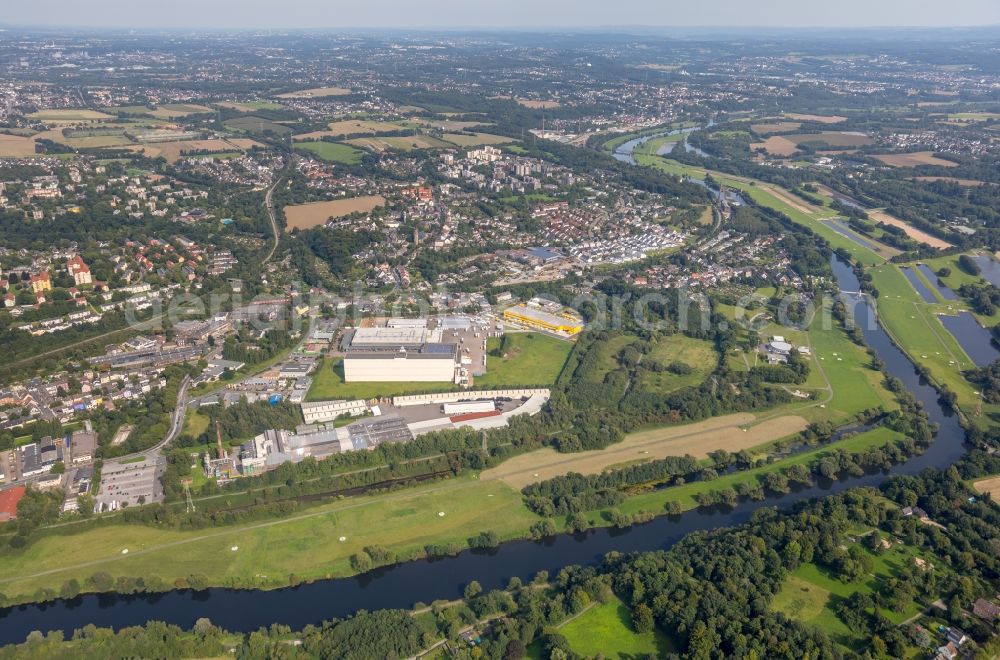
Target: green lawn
x: 306, y: 544
x: 607, y: 629
x: 328, y: 383
x: 333, y: 152
x: 528, y: 359
x: 687, y: 493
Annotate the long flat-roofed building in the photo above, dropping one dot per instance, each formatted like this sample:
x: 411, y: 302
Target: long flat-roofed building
x: 327, y: 411
x: 533, y: 317
x: 391, y: 339
x: 429, y: 363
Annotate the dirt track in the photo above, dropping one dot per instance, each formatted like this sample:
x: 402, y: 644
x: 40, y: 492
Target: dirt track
x: 697, y: 439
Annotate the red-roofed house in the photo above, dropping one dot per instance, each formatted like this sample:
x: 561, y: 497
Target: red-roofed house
x: 8, y: 502
x: 79, y: 270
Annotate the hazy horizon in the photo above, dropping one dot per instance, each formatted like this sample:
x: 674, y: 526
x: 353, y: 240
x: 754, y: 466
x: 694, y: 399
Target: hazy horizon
x: 512, y: 15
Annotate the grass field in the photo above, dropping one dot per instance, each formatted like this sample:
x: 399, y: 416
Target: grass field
x: 606, y: 629
x: 697, y: 439
x: 328, y: 383
x: 306, y: 544
x: 529, y: 358
x: 698, y: 354
x: 304, y: 216
x: 332, y: 152
x: 914, y: 160
x: 915, y: 327
x: 315, y: 92
x: 686, y: 494
x: 810, y: 593
x: 69, y: 115
x: 957, y: 277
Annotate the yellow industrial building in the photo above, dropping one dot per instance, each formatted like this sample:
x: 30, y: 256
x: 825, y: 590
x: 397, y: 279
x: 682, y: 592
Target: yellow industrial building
x: 538, y: 319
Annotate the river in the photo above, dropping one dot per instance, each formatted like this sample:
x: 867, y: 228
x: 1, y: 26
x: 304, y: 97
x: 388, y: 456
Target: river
x: 403, y: 585
x: 624, y: 151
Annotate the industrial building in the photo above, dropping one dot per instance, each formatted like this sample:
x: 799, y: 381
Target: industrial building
x: 538, y: 319
x: 429, y: 363
x: 392, y: 338
x: 327, y: 411
x: 274, y: 447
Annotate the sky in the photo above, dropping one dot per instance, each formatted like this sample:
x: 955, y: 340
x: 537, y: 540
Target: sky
x: 496, y: 14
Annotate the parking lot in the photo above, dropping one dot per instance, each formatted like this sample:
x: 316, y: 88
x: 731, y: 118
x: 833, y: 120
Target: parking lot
x: 127, y: 483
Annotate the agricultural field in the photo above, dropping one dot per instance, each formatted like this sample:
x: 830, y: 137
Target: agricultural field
x: 16, y: 146
x: 528, y: 359
x: 315, y: 93
x: 776, y: 145
x: 352, y: 127
x: 966, y: 183
x: 408, y: 143
x: 972, y: 117
x: 69, y: 115
x: 263, y: 554
x: 786, y: 145
x: 250, y: 106
x: 989, y: 486
x: 538, y: 105
x: 730, y: 432
x: 256, y: 126
x: 447, y: 124
x: 810, y: 594
x: 328, y: 383
x: 606, y: 629
x: 819, y: 119
x: 165, y: 111
x: 332, y: 152
x: 476, y: 139
x: 914, y: 159
x: 174, y: 151
x: 304, y: 216
x: 911, y: 231
x: 776, y: 127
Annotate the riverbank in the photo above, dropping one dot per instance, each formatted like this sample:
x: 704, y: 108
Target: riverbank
x: 323, y: 541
